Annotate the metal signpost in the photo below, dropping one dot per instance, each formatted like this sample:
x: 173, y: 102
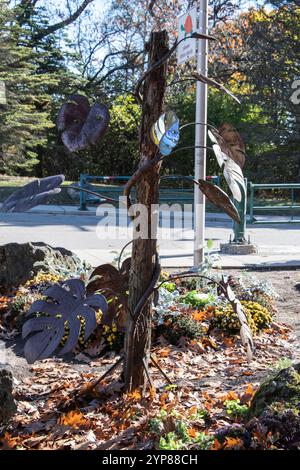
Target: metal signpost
x: 187, y: 24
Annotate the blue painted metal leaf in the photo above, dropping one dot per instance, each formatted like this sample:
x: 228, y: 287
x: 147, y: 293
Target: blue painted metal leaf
x: 165, y: 132
x: 62, y: 310
x: 33, y: 194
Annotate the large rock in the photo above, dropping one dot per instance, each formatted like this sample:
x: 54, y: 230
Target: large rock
x: 278, y: 394
x: 7, y: 403
x: 19, y: 262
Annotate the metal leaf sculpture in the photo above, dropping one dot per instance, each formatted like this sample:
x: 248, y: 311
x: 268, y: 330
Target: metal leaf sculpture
x: 80, y: 124
x: 235, y: 179
x: 232, y: 171
x: 212, y: 82
x: 245, y: 331
x: 165, y: 132
x: 33, y: 194
x: 218, y: 140
x: 113, y: 283
x: 219, y: 198
x: 61, y: 312
x: 234, y: 142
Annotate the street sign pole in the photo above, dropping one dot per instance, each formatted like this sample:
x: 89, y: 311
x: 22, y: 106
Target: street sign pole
x: 200, y: 138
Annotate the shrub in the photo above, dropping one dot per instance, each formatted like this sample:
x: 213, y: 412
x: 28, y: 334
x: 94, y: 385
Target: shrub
x: 258, y: 317
x: 175, y: 327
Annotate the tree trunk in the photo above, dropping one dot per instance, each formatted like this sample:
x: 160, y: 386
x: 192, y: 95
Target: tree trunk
x: 138, y: 339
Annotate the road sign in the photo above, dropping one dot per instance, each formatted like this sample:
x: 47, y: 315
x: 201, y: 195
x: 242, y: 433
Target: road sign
x: 187, y: 24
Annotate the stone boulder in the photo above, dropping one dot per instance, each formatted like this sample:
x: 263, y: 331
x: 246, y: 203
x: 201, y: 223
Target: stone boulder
x: 278, y: 394
x: 7, y: 403
x: 19, y: 262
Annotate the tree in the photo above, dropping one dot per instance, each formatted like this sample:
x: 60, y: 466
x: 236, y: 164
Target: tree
x: 34, y: 74
x: 260, y: 62
x: 144, y: 251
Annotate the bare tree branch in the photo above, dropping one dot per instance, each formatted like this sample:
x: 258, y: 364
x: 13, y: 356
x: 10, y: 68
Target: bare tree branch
x: 61, y: 24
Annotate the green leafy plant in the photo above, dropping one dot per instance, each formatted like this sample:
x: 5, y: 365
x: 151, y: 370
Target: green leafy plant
x: 171, y: 442
x: 198, y: 299
x: 235, y: 409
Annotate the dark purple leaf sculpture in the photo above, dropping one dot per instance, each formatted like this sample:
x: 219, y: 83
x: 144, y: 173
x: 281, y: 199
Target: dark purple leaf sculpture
x: 114, y: 284
x: 61, y: 312
x: 81, y: 124
x: 33, y: 194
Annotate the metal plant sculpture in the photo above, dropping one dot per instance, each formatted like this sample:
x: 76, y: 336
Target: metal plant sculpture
x: 82, y: 125
x: 60, y: 313
x: 33, y: 194
x: 114, y: 284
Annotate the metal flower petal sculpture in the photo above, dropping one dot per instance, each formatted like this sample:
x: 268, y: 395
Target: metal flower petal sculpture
x: 60, y: 313
x: 33, y: 194
x: 81, y: 124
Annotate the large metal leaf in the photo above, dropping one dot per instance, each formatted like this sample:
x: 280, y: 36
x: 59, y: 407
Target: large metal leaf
x: 66, y: 304
x: 113, y: 283
x: 33, y: 194
x: 220, y: 155
x: 219, y: 144
x: 219, y: 198
x: 233, y: 140
x: 80, y: 124
x: 235, y: 179
x: 211, y: 82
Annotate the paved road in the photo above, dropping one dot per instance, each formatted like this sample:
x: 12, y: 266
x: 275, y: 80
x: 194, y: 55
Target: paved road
x: 277, y: 244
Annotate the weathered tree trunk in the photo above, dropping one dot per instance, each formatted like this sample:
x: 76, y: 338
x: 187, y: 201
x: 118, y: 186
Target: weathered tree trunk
x: 138, y: 340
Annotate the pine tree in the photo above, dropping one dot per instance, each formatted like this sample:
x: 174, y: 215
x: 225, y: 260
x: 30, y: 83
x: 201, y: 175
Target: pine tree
x: 36, y: 81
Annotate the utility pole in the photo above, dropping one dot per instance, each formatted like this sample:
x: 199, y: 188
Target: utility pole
x: 200, y: 137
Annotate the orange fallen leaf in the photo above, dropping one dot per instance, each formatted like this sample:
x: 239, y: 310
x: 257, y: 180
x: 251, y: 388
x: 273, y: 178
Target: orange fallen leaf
x: 165, y: 352
x: 193, y: 410
x: 229, y: 396
x: 192, y: 432
x: 134, y: 396
x: 74, y: 419
x: 152, y: 393
x: 248, y: 394
x: 199, y: 315
x: 8, y: 442
x: 247, y: 372
x: 232, y: 442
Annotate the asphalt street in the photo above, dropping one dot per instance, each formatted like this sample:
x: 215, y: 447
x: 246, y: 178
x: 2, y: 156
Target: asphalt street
x: 79, y: 233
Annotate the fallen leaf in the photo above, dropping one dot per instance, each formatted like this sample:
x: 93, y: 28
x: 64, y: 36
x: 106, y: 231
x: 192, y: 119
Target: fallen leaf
x: 74, y: 419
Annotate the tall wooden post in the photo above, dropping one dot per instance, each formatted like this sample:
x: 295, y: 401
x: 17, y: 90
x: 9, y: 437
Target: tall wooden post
x: 138, y: 340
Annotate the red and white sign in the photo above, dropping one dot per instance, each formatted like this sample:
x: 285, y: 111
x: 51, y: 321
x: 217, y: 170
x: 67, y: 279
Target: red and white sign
x: 187, y: 25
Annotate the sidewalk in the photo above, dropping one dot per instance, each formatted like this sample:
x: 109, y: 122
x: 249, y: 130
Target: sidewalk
x: 91, y: 211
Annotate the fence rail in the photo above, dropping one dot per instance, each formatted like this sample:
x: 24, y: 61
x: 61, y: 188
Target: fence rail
x: 291, y: 208
x: 181, y: 195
